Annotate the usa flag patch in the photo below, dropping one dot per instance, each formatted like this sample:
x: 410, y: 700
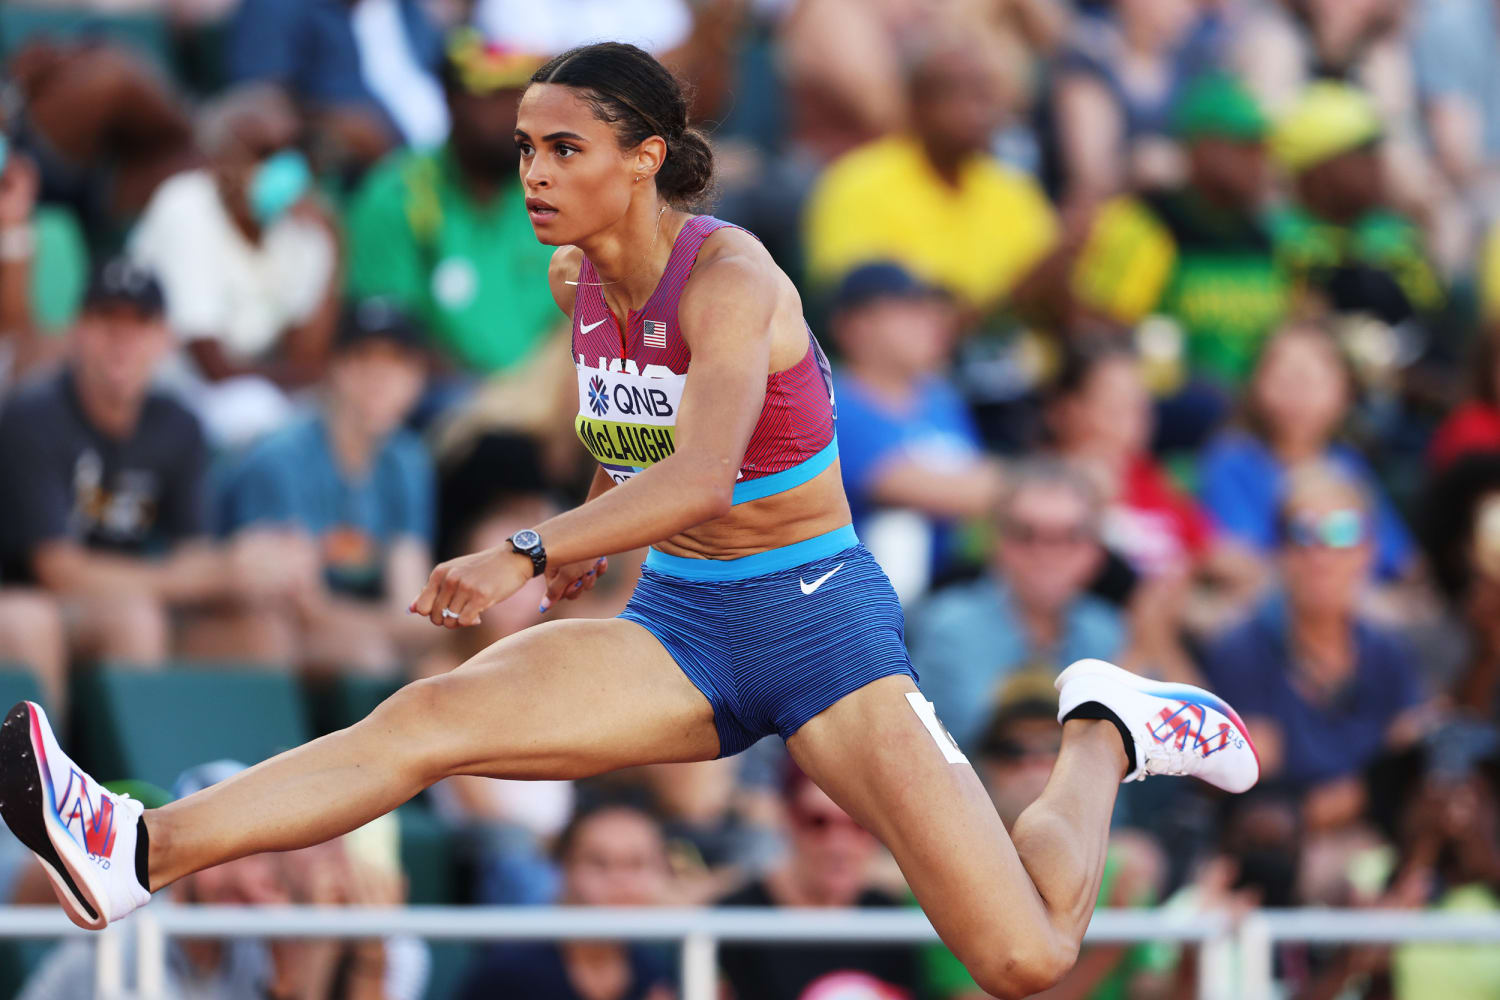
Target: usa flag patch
x: 654, y: 334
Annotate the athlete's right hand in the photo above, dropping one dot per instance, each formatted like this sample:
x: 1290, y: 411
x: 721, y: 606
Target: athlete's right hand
x: 466, y: 587
x: 569, y: 581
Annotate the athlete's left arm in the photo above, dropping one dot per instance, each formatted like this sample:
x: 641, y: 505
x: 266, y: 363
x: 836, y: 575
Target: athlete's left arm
x: 725, y: 316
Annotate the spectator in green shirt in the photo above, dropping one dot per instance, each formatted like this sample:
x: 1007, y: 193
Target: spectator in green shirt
x: 1341, y: 241
x: 444, y: 232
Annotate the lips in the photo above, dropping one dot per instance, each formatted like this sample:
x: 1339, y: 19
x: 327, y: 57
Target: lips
x: 539, y: 209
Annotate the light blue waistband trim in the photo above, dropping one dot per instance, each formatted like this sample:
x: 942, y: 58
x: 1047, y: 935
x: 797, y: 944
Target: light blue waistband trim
x: 770, y: 561
x: 786, y: 479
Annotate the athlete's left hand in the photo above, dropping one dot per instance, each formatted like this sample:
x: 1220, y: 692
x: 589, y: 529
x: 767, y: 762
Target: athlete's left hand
x: 468, y: 586
x: 569, y: 581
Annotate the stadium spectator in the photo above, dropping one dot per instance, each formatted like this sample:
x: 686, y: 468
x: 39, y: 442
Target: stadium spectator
x: 611, y: 855
x: 104, y: 500
x: 248, y: 264
x: 1323, y: 691
x: 1015, y: 756
x: 246, y: 969
x: 104, y: 127
x: 1114, y: 85
x: 1473, y: 425
x: 1100, y: 415
x: 358, y: 488
x: 1281, y: 48
x: 43, y: 267
x: 1297, y: 402
x: 1449, y: 839
x: 828, y: 865
x: 910, y: 453
x: 445, y: 232
x: 933, y: 198
x: 364, y: 69
x: 1199, y: 253
x: 1341, y: 240
x: 1030, y: 612
x: 1453, y: 47
x: 1460, y: 521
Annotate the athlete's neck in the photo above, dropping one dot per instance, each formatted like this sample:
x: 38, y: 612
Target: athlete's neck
x: 631, y: 255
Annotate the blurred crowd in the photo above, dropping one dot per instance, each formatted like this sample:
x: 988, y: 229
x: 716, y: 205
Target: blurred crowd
x: 1165, y: 331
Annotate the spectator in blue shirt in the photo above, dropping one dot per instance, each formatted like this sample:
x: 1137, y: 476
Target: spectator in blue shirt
x: 1298, y: 398
x: 1030, y: 611
x: 358, y: 488
x: 909, y: 450
x: 1323, y: 692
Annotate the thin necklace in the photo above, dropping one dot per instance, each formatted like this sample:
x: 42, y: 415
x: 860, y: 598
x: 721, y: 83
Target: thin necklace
x: 654, y: 240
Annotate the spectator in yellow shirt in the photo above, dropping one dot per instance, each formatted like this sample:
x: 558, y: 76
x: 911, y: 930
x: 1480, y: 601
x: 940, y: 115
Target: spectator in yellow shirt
x: 934, y: 199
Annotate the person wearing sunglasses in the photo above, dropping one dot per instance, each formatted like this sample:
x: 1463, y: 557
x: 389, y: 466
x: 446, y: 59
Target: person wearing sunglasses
x: 1031, y: 608
x: 1323, y: 690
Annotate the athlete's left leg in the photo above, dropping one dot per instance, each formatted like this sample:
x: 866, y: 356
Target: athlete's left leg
x: 1012, y: 910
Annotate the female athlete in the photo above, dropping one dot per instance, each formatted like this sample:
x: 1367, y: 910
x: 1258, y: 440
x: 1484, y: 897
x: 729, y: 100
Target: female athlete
x: 709, y: 407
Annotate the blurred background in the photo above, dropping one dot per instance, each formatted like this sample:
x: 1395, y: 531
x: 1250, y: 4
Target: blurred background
x: 1165, y: 331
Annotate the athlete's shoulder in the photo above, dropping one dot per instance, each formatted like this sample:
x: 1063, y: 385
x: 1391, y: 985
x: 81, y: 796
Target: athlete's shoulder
x: 562, y: 275
x: 730, y: 253
x: 732, y: 264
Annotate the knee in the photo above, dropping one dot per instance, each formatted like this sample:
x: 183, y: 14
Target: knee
x: 413, y: 718
x: 1015, y: 971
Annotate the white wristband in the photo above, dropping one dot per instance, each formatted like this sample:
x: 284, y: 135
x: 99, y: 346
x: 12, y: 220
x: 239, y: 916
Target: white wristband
x: 17, y: 242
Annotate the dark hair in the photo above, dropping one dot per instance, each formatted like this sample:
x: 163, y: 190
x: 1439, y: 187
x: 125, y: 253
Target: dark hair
x: 587, y: 812
x: 1081, y: 357
x: 627, y: 88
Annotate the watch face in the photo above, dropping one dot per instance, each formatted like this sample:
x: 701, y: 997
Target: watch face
x: 527, y: 539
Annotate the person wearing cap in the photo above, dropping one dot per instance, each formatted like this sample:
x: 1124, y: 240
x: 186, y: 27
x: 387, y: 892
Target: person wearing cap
x: 910, y: 453
x: 248, y: 265
x: 357, y: 488
x: 103, y: 501
x: 1341, y: 241
x: 934, y: 198
x: 1199, y: 254
x: 444, y: 232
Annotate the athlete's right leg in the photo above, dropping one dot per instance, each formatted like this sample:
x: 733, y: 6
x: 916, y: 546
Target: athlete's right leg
x: 562, y: 700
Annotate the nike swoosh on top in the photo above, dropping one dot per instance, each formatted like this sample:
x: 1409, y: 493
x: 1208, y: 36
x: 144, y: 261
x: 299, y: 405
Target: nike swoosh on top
x: 808, y: 588
x: 586, y: 327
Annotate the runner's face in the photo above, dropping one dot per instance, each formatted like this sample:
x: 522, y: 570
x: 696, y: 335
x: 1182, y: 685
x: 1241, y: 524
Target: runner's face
x: 577, y: 180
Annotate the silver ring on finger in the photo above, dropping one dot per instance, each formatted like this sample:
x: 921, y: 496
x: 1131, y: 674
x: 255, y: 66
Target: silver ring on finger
x: 449, y: 613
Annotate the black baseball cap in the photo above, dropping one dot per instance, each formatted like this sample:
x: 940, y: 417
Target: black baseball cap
x: 881, y: 280
x: 122, y: 281
x: 377, y: 319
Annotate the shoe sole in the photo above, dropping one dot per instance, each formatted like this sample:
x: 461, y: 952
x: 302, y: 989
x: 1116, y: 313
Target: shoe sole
x: 1190, y: 693
x: 24, y: 811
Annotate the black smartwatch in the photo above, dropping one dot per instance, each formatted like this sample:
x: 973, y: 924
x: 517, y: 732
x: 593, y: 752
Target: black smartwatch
x: 529, y: 543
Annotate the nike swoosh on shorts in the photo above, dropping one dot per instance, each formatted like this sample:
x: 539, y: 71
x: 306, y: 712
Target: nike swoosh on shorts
x: 808, y: 588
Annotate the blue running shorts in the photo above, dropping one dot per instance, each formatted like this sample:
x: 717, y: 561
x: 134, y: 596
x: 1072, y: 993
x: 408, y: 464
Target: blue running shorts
x: 774, y: 638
